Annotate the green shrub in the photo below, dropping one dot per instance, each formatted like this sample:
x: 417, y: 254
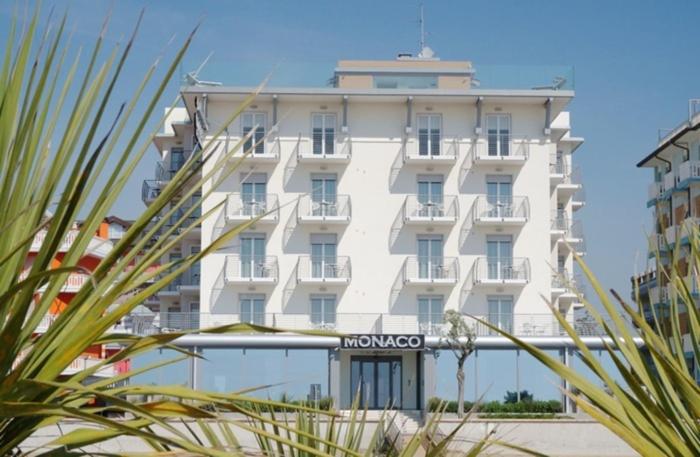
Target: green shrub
x: 497, y: 407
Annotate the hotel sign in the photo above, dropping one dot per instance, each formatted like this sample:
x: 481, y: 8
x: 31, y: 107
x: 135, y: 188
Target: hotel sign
x: 383, y: 342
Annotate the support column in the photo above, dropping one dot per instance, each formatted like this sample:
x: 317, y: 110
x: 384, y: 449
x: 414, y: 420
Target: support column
x: 517, y: 374
x: 476, y: 374
x: 566, y: 357
x: 334, y: 377
x: 195, y: 369
x: 429, y: 378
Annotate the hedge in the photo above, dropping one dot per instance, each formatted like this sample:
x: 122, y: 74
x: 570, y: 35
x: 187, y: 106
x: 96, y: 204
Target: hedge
x: 497, y: 407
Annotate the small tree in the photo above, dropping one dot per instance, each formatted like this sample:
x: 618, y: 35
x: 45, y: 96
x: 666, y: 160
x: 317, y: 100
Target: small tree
x: 460, y: 338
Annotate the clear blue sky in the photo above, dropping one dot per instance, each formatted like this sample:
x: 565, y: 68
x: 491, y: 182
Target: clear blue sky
x: 636, y: 67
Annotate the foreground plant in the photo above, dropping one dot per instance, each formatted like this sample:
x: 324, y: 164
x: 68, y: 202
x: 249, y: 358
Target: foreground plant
x: 657, y: 410
x: 57, y: 132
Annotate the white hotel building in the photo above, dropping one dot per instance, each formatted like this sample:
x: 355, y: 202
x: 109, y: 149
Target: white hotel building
x: 402, y: 191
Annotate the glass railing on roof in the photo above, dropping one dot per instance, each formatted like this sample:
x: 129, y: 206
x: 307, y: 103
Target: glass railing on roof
x: 251, y: 73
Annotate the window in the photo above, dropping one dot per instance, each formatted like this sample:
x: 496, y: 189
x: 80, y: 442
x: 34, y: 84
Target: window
x: 115, y: 232
x: 430, y: 196
x: 323, y: 133
x: 254, y: 194
x: 499, y: 250
x: 430, y: 314
x: 256, y: 122
x: 498, y: 126
x: 177, y: 160
x: 253, y: 262
x: 501, y: 311
x: 324, y: 261
x: 429, y: 126
x: 499, y: 195
x: 405, y: 82
x: 430, y: 257
x: 253, y: 309
x: 324, y: 197
x: 323, y: 311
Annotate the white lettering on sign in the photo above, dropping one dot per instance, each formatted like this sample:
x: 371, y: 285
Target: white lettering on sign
x: 401, y: 342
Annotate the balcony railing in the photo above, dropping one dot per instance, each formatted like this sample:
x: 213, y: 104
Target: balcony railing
x: 266, y: 152
x: 247, y: 269
x: 515, y: 152
x: 500, y: 210
x: 240, y: 208
x: 327, y: 270
x: 557, y: 167
x: 431, y: 270
x: 502, y: 271
x: 150, y: 190
x: 655, y: 190
x: 446, y: 152
x: 340, y: 151
x: 688, y: 170
x: 543, y: 324
x: 337, y: 210
x: 420, y: 209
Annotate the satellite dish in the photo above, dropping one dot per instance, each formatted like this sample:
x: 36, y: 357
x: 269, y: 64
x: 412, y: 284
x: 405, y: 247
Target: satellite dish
x: 192, y: 78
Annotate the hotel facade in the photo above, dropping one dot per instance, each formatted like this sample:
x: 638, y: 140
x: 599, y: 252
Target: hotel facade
x: 399, y: 192
x: 674, y: 197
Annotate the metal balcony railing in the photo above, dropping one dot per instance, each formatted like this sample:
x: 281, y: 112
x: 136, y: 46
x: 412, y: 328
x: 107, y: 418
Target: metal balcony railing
x: 324, y: 269
x: 557, y: 166
x: 418, y: 208
x: 669, y: 180
x: 247, y: 207
x: 338, y: 208
x: 417, y: 269
x: 337, y: 150
x: 487, y: 208
x: 444, y: 149
x: 509, y: 151
x: 251, y: 268
x: 655, y: 190
x: 543, y: 324
x: 502, y: 269
x: 689, y: 170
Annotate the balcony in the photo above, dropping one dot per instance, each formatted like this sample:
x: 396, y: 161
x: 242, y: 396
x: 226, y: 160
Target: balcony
x: 658, y: 243
x: 578, y: 200
x: 445, y: 154
x: 150, y: 190
x: 267, y: 151
x: 543, y: 324
x: 247, y: 270
x: 565, y: 285
x: 656, y: 190
x: 669, y: 181
x: 558, y: 170
x: 688, y: 171
x: 324, y: 271
x: 570, y: 184
x: 245, y: 208
x: 515, y: 153
x: 502, y: 271
x: 336, y: 152
x: 419, y: 210
x: 432, y: 271
x: 567, y: 232
x: 337, y: 211
x: 498, y: 211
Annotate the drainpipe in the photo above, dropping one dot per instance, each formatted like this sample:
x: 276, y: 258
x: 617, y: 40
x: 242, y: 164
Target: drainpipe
x: 409, y: 114
x: 274, y: 111
x: 548, y: 116
x: 479, y: 102
x: 344, y: 127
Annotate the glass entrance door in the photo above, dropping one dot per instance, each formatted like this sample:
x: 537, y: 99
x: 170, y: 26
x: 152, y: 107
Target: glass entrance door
x: 378, y: 381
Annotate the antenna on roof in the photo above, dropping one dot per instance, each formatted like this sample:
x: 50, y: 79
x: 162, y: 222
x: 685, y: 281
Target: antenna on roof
x: 192, y: 78
x: 425, y: 51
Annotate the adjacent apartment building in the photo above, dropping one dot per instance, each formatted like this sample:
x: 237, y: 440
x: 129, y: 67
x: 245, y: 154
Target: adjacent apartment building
x: 674, y: 197
x: 399, y: 192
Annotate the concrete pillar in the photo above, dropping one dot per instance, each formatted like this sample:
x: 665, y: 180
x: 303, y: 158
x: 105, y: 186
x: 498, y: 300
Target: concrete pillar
x: 195, y: 380
x: 334, y: 376
x: 429, y: 378
x: 566, y: 356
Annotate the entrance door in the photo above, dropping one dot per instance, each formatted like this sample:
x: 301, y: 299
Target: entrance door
x: 378, y: 380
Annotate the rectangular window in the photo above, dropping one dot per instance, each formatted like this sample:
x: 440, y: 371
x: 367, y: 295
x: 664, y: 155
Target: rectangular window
x: 177, y: 160
x: 256, y: 123
x: 323, y: 133
x: 499, y: 251
x: 323, y: 311
x: 254, y: 194
x: 253, y: 261
x: 324, y: 259
x: 405, y: 82
x: 499, y: 195
x: 430, y: 196
x: 324, y: 196
x: 429, y: 134
x: 431, y: 264
x: 253, y: 309
x: 430, y: 314
x: 501, y: 311
x: 498, y: 126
